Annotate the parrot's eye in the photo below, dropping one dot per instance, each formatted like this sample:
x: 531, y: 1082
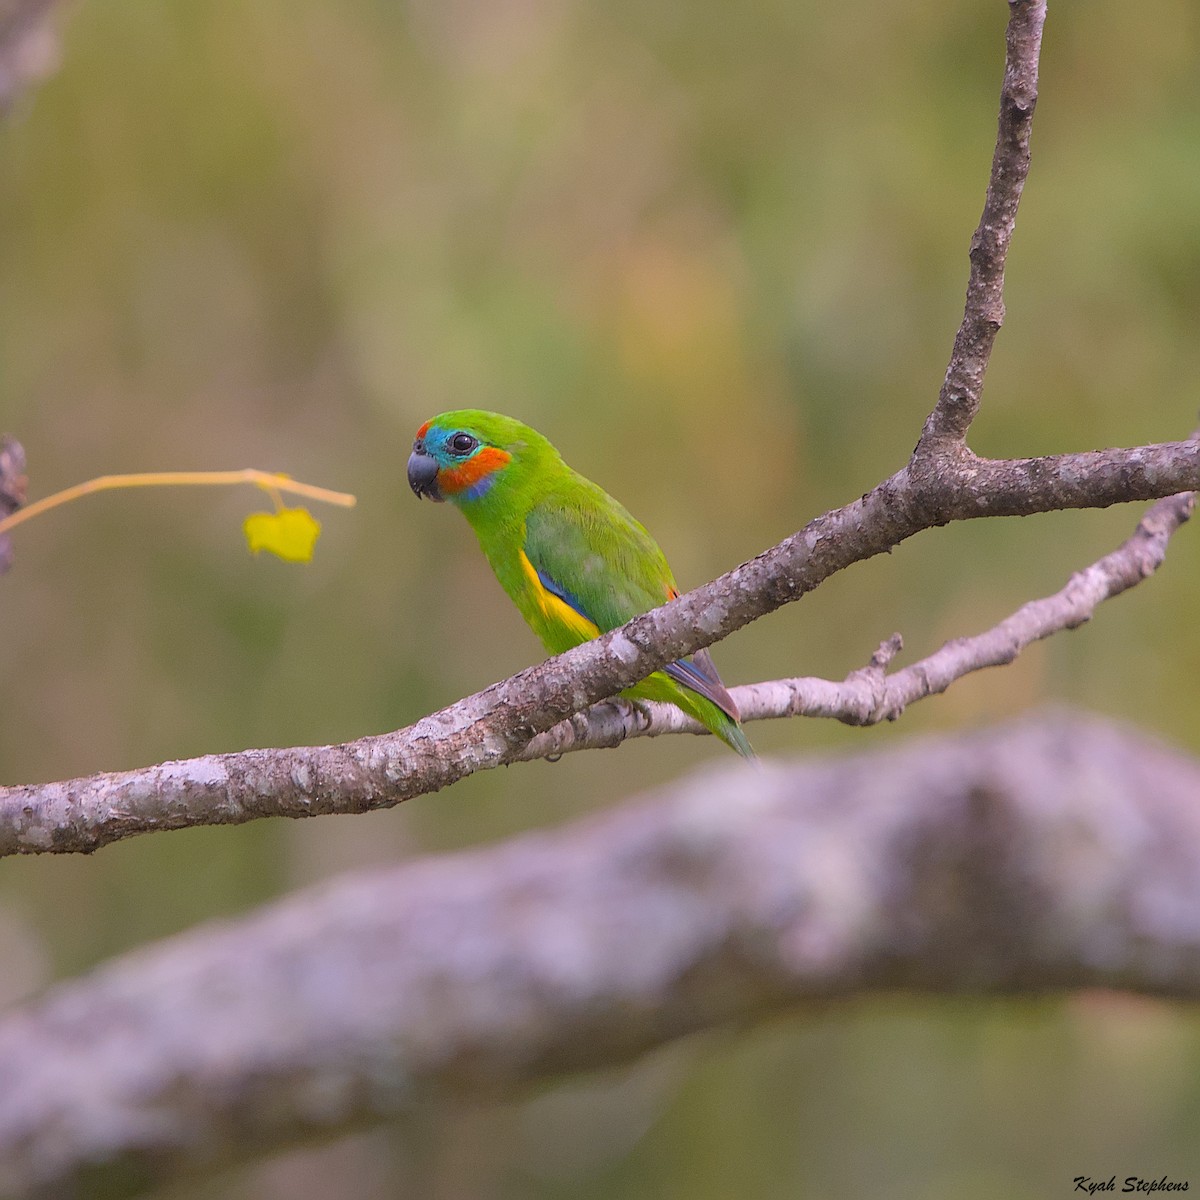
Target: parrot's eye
x: 463, y: 443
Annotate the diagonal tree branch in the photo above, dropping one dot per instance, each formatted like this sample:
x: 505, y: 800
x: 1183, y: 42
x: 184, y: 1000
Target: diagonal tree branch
x: 871, y: 695
x: 494, y: 726
x: 942, y: 482
x: 1055, y: 853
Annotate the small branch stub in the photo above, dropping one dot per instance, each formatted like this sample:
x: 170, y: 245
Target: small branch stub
x: 13, y: 484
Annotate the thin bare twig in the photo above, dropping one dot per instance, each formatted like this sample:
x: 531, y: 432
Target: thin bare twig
x: 946, y: 429
x: 271, y: 482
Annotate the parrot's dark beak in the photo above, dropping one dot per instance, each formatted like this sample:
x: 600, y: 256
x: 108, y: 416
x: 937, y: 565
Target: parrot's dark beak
x: 423, y: 473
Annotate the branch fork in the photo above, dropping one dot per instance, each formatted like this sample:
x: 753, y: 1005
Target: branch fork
x: 555, y: 706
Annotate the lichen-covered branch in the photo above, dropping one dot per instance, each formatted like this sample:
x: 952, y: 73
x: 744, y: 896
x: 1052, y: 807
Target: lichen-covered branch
x: 870, y: 694
x: 494, y: 726
x: 1058, y: 852
x: 942, y: 482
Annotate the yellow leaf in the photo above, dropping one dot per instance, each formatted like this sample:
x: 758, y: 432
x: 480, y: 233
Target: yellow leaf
x: 289, y: 534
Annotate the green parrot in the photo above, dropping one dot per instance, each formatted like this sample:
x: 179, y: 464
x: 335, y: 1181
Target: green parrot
x: 572, y: 559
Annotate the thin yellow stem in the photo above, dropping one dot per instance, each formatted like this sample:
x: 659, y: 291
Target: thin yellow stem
x: 267, y: 480
x: 275, y: 494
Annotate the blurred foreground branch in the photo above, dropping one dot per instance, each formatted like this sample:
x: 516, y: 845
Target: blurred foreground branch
x: 1058, y: 852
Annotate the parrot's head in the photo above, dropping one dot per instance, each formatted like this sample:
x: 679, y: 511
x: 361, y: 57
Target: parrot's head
x: 461, y: 456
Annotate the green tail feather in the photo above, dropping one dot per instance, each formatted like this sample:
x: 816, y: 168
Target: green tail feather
x: 734, y: 736
x: 716, y: 720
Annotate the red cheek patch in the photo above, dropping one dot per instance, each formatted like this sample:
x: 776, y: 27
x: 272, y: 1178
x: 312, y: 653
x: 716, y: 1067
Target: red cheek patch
x: 452, y: 480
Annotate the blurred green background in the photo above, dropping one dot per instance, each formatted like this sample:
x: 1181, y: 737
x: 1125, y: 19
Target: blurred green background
x: 717, y: 255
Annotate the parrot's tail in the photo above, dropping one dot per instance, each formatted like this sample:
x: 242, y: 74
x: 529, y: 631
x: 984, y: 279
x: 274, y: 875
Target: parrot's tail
x: 734, y: 736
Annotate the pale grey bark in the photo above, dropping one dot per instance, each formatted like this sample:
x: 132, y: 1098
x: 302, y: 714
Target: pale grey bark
x: 512, y: 721
x: 872, y: 694
x: 1059, y: 852
x: 962, y: 389
x: 943, y: 481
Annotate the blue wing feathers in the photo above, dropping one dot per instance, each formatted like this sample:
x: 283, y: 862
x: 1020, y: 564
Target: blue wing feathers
x: 562, y: 539
x: 568, y: 598
x: 685, y: 671
x: 697, y: 672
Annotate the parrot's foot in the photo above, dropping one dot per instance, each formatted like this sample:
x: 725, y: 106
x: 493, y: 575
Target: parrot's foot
x: 642, y: 711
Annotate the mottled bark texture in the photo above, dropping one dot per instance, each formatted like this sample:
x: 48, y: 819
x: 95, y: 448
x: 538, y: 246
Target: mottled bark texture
x: 1059, y: 852
x: 501, y: 724
x: 962, y: 388
x: 872, y: 694
x: 943, y: 481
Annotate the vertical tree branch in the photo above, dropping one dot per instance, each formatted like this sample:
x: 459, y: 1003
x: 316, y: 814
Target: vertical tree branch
x: 946, y: 428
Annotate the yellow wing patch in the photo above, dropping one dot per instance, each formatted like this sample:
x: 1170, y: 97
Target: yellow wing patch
x: 555, y: 609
